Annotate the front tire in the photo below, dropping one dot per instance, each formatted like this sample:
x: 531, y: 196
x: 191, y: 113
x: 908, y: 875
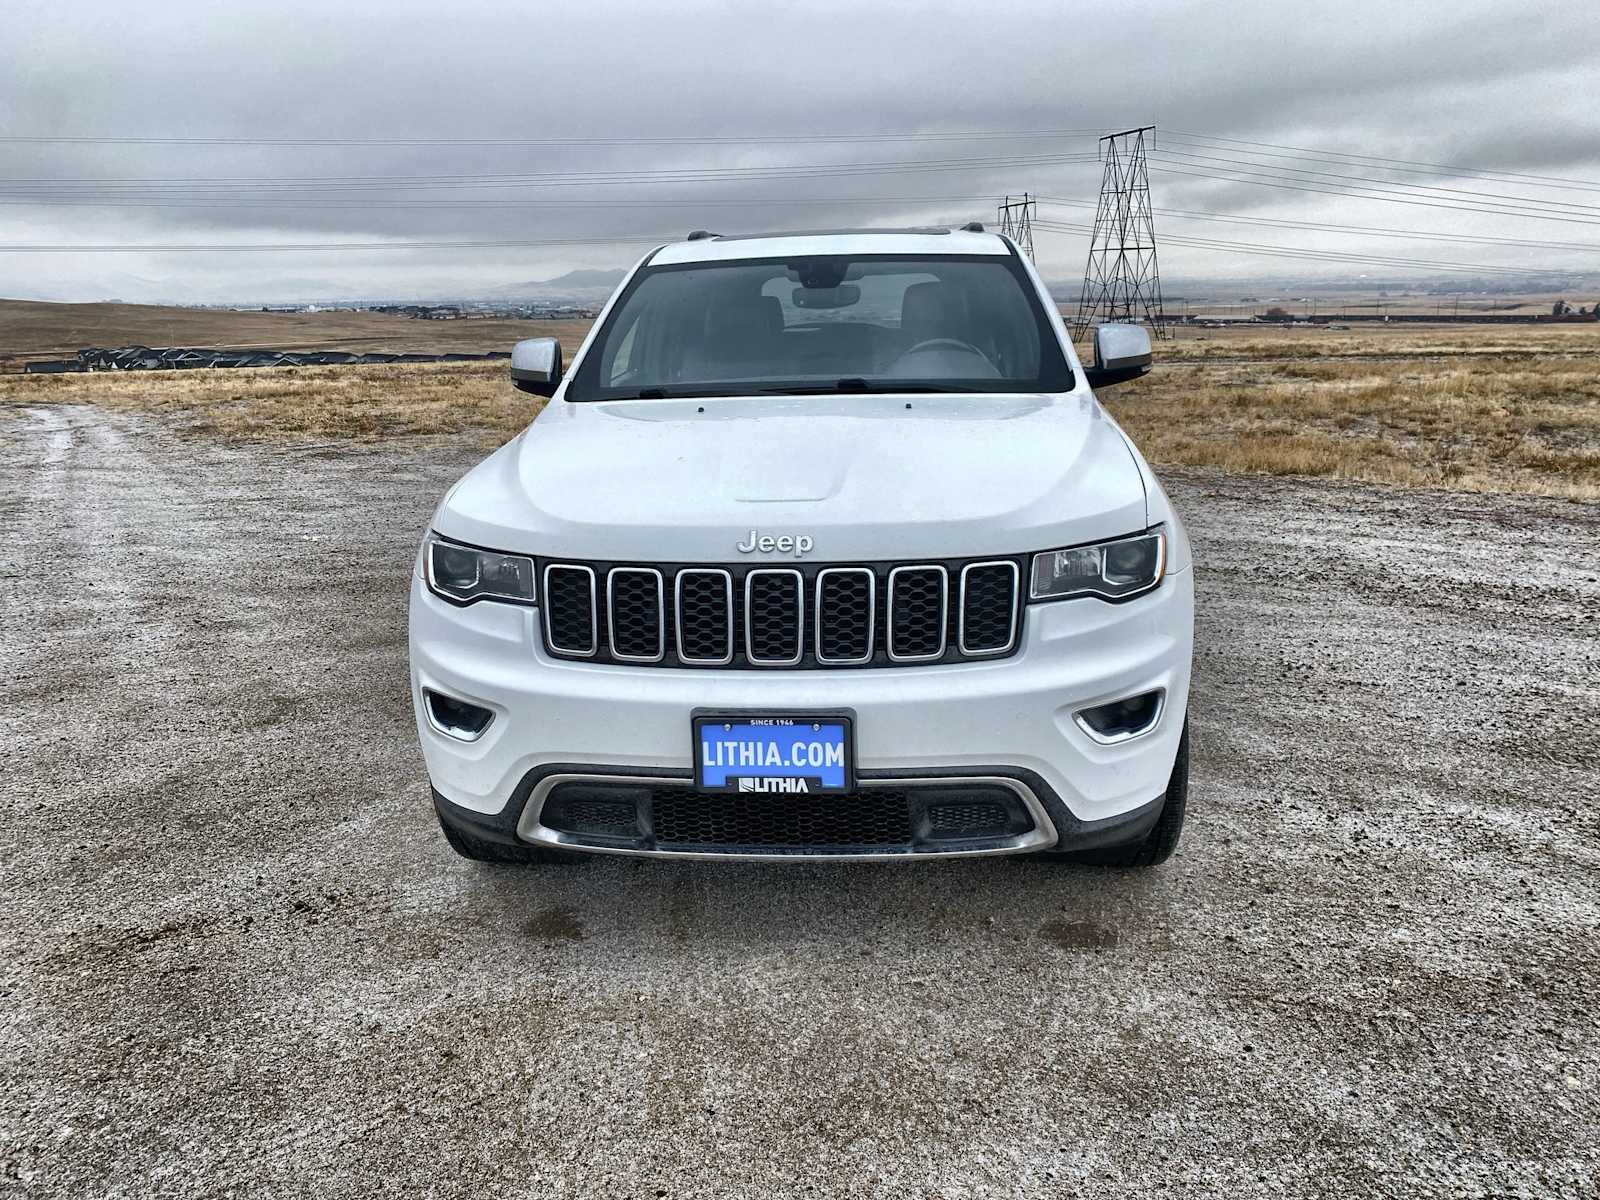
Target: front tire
x: 1158, y: 845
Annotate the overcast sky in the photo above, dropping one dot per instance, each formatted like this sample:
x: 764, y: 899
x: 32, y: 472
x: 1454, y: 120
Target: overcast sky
x: 1511, y: 87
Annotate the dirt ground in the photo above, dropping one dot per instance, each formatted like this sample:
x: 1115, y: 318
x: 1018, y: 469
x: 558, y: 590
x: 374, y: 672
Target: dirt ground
x: 236, y: 958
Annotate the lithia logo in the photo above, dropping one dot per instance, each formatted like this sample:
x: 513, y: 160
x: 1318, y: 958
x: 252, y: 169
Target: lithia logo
x: 773, y: 783
x: 798, y: 544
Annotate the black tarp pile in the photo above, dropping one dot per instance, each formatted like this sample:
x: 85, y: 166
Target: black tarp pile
x: 185, y: 358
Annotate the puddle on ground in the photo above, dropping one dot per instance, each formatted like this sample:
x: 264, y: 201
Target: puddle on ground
x: 1078, y: 935
x: 559, y: 923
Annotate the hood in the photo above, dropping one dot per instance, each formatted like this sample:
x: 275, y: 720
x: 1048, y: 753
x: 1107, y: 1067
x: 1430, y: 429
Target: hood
x: 865, y: 477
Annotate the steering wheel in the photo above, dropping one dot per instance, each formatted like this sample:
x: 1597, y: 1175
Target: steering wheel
x: 942, y: 343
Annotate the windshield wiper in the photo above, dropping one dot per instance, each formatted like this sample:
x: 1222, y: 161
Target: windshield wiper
x: 855, y: 383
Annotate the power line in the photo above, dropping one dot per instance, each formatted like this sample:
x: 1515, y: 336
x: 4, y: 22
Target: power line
x: 471, y: 203
x: 279, y: 180
x: 261, y: 248
x: 1374, y: 158
x: 1276, y: 182
x: 554, y: 143
x: 47, y: 192
x: 1398, y: 185
x: 1311, y: 254
x: 1189, y: 214
x: 1337, y: 162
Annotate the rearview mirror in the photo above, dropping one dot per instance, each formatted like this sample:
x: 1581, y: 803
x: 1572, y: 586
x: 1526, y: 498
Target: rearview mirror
x: 1121, y: 353
x: 842, y: 296
x: 536, y: 366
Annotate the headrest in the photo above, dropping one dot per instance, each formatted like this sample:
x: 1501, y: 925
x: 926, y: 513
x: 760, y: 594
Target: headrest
x: 932, y: 310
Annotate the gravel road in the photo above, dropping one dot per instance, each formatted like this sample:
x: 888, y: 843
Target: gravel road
x: 236, y: 958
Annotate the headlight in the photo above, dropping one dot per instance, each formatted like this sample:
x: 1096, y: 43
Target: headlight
x: 1111, y: 570
x: 465, y: 573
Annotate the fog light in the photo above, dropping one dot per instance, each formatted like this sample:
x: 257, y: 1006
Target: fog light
x: 1122, y: 719
x: 456, y: 718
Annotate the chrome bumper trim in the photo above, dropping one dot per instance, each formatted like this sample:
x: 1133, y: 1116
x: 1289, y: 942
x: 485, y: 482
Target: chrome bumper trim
x: 1040, y: 837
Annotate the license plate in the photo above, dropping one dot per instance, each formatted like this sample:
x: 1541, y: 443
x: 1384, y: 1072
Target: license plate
x: 800, y: 753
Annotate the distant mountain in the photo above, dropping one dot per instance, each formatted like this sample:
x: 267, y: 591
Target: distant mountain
x: 584, y: 284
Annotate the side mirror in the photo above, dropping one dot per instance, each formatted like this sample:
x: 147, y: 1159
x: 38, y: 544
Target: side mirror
x: 1121, y: 353
x: 536, y: 366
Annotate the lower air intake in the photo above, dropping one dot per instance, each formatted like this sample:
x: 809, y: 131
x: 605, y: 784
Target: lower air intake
x: 651, y: 816
x: 881, y: 817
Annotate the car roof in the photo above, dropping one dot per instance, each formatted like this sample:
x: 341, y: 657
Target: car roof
x: 927, y: 243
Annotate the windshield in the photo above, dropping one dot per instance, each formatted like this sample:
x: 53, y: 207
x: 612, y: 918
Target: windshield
x: 820, y: 325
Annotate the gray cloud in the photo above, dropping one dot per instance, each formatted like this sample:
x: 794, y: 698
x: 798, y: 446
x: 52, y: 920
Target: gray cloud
x: 1472, y: 82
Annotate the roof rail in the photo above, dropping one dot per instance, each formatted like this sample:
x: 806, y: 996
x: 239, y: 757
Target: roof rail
x: 700, y: 235
x: 972, y: 227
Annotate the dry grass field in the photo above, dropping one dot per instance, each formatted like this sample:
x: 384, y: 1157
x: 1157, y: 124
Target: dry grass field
x: 1479, y: 408
x: 1368, y: 339
x: 1475, y: 408
x: 35, y: 329
x: 359, y: 402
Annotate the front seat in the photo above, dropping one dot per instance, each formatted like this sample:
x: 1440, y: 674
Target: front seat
x: 742, y: 338
x: 933, y: 310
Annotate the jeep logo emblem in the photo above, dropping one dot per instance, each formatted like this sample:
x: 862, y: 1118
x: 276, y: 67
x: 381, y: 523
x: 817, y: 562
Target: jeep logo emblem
x: 797, y: 544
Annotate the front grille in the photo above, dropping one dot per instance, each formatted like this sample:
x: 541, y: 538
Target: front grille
x: 863, y: 615
x: 900, y: 816
x: 881, y: 817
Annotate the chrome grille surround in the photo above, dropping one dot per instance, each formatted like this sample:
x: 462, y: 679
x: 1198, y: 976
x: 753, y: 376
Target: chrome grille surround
x: 820, y: 609
x: 975, y: 647
x: 944, y: 612
x: 562, y: 611
x: 683, y: 576
x: 750, y: 633
x: 660, y: 619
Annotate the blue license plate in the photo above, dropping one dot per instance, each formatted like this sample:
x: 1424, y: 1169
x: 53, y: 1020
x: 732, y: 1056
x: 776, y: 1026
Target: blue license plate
x: 794, y: 754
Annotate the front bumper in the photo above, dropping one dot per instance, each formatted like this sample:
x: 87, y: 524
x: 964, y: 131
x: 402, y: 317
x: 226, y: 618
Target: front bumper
x: 1010, y: 721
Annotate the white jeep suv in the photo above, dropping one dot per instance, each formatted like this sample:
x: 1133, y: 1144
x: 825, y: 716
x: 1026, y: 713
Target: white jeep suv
x: 823, y: 548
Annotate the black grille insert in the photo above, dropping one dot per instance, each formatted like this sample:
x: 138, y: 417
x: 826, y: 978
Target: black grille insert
x: 877, y: 817
x: 705, y: 616
x: 596, y: 810
x: 637, y: 613
x: 988, y: 607
x: 846, y: 607
x: 774, y: 617
x: 918, y: 612
x: 968, y: 820
x: 569, y: 608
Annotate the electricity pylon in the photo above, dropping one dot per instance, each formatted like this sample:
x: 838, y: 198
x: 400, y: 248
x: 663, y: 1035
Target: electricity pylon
x: 1121, y: 282
x: 1016, y: 222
